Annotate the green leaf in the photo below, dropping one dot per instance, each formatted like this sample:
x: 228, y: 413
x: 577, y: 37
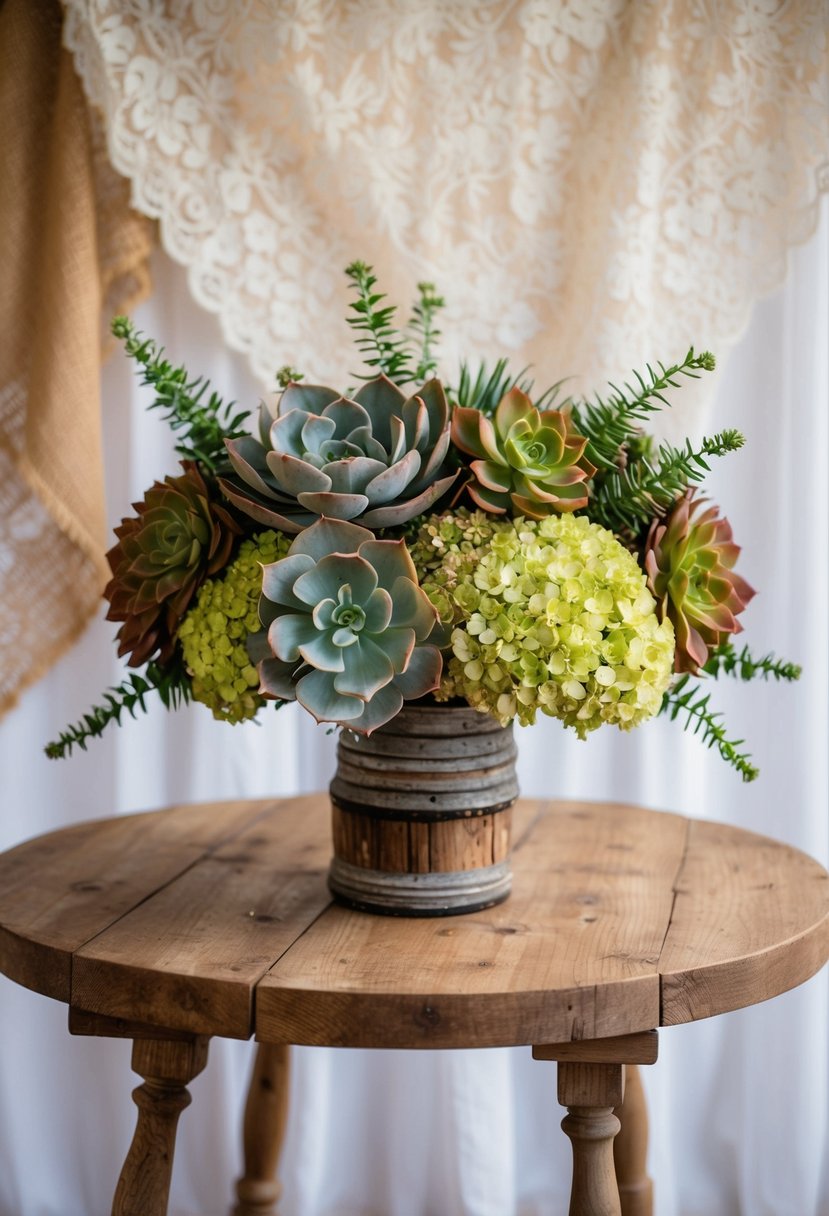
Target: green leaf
x: 607, y: 424
x: 204, y: 427
x: 724, y: 660
x: 684, y: 698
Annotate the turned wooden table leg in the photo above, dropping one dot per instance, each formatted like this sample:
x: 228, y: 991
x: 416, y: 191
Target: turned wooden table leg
x: 592, y: 1075
x: 590, y: 1092
x: 266, y: 1116
x: 167, y: 1068
x: 630, y: 1149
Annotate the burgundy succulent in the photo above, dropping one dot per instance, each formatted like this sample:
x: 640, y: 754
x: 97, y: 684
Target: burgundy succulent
x: 179, y: 536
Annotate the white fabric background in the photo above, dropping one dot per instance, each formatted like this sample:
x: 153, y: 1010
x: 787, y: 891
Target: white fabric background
x: 738, y: 1106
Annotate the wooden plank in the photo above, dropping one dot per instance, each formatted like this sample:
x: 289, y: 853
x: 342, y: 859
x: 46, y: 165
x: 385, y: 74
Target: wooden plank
x: 188, y: 958
x: 60, y: 890
x: 640, y: 1048
x: 94, y: 1025
x: 571, y: 955
x: 751, y: 920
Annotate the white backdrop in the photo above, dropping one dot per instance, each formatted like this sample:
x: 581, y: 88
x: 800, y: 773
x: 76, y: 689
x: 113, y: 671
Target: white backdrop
x: 738, y: 1106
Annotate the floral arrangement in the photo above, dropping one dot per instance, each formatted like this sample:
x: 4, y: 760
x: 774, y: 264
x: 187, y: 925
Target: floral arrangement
x: 473, y: 543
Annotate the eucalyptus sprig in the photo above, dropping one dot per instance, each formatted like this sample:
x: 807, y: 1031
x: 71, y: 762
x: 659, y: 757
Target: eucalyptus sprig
x: 203, y: 420
x: 171, y: 684
x: 686, y: 698
x: 724, y: 659
x: 627, y: 497
x: 608, y: 424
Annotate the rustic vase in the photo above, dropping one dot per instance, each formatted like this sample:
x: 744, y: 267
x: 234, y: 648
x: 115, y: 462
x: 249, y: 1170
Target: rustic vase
x: 421, y: 813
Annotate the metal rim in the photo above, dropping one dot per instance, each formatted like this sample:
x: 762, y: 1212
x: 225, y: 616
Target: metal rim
x: 433, y: 894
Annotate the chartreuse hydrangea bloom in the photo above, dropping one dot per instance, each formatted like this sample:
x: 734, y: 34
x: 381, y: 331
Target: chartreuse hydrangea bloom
x: 551, y: 615
x: 214, y: 633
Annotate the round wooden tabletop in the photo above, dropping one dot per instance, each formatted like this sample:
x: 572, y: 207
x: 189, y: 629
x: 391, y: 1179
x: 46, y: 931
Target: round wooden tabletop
x: 215, y: 919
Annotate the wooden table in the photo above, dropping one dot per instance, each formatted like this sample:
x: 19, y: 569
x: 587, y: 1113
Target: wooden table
x: 174, y: 926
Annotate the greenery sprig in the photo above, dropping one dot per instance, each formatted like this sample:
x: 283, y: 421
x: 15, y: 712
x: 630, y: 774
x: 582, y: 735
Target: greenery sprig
x: 725, y: 660
x: 171, y: 684
x: 630, y: 496
x: 485, y: 389
x: 384, y: 349
x: 424, y: 332
x: 203, y: 419
x: 608, y: 424
x: 685, y: 698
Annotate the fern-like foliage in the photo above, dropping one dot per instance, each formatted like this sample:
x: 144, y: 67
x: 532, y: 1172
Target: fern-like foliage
x: 627, y: 497
x: 203, y: 419
x: 384, y: 349
x: 171, y: 684
x: 483, y: 390
x: 686, y: 698
x: 726, y: 660
x: 608, y: 424
x: 423, y: 330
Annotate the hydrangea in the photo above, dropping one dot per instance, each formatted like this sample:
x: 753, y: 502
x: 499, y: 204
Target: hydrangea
x: 214, y: 633
x: 551, y: 615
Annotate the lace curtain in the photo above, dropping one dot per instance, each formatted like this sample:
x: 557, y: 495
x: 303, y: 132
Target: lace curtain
x: 590, y: 183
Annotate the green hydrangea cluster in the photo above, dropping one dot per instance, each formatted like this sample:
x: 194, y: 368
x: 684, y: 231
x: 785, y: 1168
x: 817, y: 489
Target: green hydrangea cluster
x: 213, y: 633
x: 551, y: 615
x: 446, y: 550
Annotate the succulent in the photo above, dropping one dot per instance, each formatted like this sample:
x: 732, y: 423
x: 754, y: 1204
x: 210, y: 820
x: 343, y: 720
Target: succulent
x: 376, y: 458
x: 689, y: 559
x: 529, y: 462
x: 345, y: 624
x: 214, y: 633
x: 179, y: 537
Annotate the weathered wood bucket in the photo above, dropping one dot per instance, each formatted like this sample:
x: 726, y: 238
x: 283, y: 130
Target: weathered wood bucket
x: 421, y: 813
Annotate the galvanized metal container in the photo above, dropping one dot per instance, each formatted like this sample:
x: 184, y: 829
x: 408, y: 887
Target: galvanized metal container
x: 421, y: 813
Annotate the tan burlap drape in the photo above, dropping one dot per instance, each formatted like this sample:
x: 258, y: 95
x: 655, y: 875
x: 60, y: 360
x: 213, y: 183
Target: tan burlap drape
x: 71, y: 252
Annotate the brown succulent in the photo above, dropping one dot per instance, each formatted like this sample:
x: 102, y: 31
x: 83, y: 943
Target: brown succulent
x: 179, y: 537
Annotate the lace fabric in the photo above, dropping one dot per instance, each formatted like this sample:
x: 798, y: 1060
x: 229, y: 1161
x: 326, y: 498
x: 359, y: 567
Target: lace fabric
x: 590, y: 183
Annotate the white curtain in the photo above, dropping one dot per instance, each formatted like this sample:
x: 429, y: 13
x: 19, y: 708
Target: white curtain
x: 739, y: 1111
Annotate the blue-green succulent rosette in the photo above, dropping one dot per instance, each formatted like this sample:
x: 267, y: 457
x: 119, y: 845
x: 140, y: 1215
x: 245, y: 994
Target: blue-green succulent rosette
x: 346, y: 627
x: 378, y: 457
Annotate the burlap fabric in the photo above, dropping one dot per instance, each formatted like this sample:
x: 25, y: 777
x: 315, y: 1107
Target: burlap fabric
x: 71, y: 253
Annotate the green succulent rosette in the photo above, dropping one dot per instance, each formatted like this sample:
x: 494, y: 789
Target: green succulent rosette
x: 377, y: 457
x: 179, y: 536
x: 689, y: 559
x: 528, y: 462
x: 346, y: 627
x: 550, y: 616
x: 214, y: 634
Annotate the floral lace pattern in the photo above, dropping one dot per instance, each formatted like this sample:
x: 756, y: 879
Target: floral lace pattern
x: 589, y: 183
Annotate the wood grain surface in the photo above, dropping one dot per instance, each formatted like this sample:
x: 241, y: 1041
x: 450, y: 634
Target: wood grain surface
x: 190, y: 957
x: 216, y: 919
x: 572, y: 954
x: 750, y: 919
x: 60, y: 890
